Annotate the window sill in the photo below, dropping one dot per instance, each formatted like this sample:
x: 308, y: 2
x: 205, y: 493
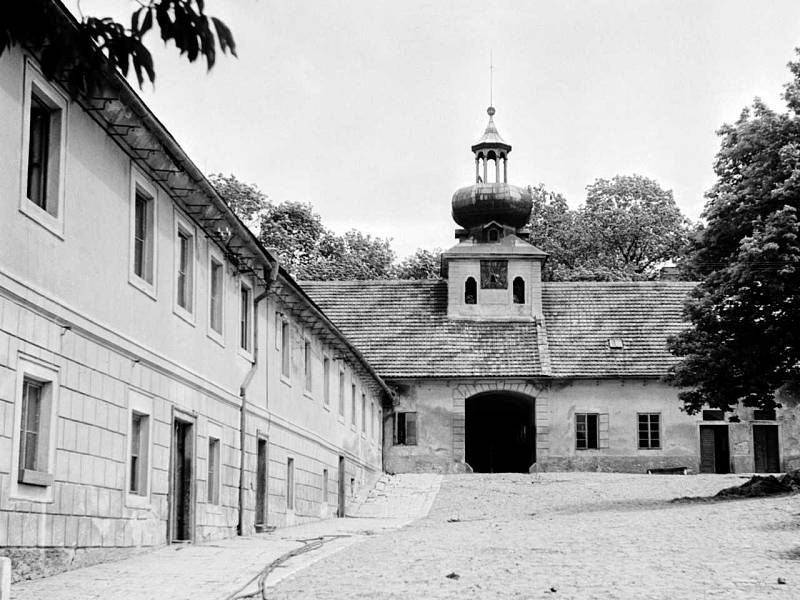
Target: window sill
x: 54, y: 225
x: 326, y: 406
x: 285, y: 380
x: 37, y: 478
x: 133, y: 500
x: 215, y: 337
x: 308, y: 394
x: 246, y: 354
x: 184, y: 314
x: 147, y: 289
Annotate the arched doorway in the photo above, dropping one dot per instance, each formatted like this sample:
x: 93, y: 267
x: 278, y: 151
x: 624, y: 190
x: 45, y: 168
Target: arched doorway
x: 500, y: 432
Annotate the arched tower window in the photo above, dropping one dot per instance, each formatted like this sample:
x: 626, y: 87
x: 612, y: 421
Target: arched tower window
x: 518, y: 290
x: 470, y: 291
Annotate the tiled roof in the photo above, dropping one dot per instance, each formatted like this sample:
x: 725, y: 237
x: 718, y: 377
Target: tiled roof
x: 402, y: 329
x: 581, y: 317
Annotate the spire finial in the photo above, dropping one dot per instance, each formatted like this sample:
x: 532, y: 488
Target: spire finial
x: 491, y: 78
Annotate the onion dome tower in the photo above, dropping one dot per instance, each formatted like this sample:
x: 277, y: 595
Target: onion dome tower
x: 493, y: 273
x: 489, y: 210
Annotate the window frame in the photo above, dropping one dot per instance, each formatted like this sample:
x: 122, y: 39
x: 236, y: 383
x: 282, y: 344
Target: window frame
x: 649, y: 445
x: 34, y: 83
x: 290, y: 483
x: 286, y: 351
x: 326, y: 381
x: 184, y: 228
x: 586, y: 416
x: 341, y: 393
x: 466, y: 290
x: 401, y: 428
x: 308, y: 372
x: 141, y: 404
x: 139, y: 182
x: 514, y: 297
x: 247, y: 326
x: 363, y: 413
x: 35, y: 485
x: 214, y: 488
x: 215, y: 257
x: 353, y: 406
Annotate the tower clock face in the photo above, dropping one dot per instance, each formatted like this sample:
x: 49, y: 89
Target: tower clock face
x: 494, y: 274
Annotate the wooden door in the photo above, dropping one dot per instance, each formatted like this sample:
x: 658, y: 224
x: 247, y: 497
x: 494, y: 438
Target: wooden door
x: 340, y: 512
x: 182, y: 481
x: 765, y: 448
x: 707, y: 453
x: 262, y: 474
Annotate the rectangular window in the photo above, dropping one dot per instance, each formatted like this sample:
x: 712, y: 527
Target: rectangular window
x: 290, y: 484
x: 760, y: 414
x: 215, y: 296
x: 326, y: 380
x: 307, y: 365
x: 38, y: 152
x: 213, y: 471
x: 185, y: 270
x: 30, y: 425
x: 649, y: 430
x: 586, y: 430
x: 341, y: 393
x: 405, y: 429
x: 143, y: 235
x: 372, y: 419
x: 363, y: 413
x: 137, y: 483
x: 353, y: 405
x: 244, y: 318
x: 713, y: 415
x: 286, y: 359
x: 324, y: 486
x: 43, y: 151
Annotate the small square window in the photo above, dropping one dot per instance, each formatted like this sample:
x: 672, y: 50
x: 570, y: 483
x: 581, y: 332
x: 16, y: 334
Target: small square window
x: 649, y: 430
x: 405, y: 429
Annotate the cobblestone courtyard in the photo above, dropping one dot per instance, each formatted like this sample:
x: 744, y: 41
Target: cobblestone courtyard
x: 572, y: 535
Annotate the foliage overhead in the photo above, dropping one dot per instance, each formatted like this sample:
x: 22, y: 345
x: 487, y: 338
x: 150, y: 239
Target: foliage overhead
x: 628, y: 227
x: 423, y: 264
x: 305, y: 247
x: 83, y: 54
x: 744, y: 343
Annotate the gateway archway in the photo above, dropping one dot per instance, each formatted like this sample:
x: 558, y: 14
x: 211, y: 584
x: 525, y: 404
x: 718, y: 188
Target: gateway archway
x: 500, y: 432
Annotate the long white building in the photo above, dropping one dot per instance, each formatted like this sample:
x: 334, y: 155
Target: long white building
x: 162, y: 379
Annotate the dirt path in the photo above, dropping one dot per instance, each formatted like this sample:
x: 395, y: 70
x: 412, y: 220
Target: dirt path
x: 572, y: 535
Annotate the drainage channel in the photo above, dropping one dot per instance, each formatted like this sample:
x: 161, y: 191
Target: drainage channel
x: 309, y: 545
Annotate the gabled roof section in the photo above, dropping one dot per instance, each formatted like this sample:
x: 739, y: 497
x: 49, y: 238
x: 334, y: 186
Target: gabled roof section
x: 582, y: 317
x: 402, y: 329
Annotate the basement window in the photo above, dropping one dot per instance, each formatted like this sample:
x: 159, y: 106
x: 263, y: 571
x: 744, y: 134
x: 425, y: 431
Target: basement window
x: 405, y: 429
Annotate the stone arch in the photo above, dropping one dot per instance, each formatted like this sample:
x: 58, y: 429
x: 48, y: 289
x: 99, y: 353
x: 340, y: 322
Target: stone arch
x: 527, y: 388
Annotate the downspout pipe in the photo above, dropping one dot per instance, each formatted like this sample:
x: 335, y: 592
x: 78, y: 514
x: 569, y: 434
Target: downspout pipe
x: 243, y: 393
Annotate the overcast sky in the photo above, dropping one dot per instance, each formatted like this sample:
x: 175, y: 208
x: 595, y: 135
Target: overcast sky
x: 367, y: 109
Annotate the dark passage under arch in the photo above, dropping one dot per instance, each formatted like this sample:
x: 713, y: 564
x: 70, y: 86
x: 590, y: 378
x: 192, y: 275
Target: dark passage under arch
x: 500, y: 433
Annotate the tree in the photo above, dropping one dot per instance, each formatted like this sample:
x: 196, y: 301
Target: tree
x: 84, y: 53
x: 423, y: 264
x: 628, y: 227
x: 744, y: 341
x: 305, y: 247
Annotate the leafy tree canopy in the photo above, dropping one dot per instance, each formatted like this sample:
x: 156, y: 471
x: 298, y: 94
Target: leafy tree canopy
x: 744, y: 343
x: 84, y: 54
x: 305, y: 247
x: 628, y: 227
x: 423, y: 264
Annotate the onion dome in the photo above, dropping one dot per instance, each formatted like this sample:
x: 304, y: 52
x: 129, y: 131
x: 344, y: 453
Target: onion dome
x: 497, y: 201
